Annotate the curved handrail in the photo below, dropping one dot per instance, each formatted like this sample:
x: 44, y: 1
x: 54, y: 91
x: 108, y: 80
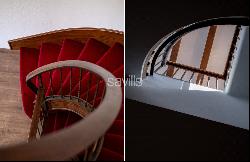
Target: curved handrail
x: 107, y: 36
x: 68, y: 142
x: 171, y: 38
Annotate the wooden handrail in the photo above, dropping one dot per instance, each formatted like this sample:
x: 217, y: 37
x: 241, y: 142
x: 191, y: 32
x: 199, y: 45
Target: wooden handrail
x: 107, y: 36
x: 193, y: 69
x: 66, y: 143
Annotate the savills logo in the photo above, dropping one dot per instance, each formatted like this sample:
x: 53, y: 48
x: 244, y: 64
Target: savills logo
x: 131, y: 80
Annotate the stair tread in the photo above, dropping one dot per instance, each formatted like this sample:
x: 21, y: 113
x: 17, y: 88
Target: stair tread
x: 114, y: 55
x: 92, y: 52
x: 114, y: 142
x: 30, y: 56
x: 117, y: 127
x: 48, y: 54
x: 118, y: 73
x: 110, y: 58
x: 70, y: 51
x: 109, y: 155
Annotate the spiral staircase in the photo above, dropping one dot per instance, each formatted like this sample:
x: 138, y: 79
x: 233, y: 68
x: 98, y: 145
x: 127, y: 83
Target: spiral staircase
x: 170, y: 82
x: 75, y: 114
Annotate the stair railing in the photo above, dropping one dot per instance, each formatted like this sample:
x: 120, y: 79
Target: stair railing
x: 86, y: 134
x: 157, y: 55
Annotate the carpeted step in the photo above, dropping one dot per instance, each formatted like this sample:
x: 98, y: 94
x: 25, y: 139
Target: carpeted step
x: 118, y: 73
x: 28, y: 63
x: 121, y: 113
x: 48, y: 54
x: 92, y: 52
x: 117, y: 128
x: 71, y: 119
x: 70, y: 51
x: 108, y: 155
x: 114, y: 142
x: 49, y: 123
x: 60, y: 119
x: 111, y: 60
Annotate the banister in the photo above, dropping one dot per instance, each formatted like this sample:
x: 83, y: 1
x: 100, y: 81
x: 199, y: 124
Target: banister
x: 197, y: 70
x: 66, y: 143
x: 167, y: 41
x: 107, y: 36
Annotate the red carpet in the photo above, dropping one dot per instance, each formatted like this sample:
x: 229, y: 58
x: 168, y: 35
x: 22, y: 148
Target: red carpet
x: 110, y: 58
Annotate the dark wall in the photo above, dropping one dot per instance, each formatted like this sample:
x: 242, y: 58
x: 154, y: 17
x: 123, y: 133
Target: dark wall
x: 148, y: 21
x: 154, y: 133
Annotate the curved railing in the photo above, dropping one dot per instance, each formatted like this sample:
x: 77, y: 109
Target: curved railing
x: 160, y: 50
x: 88, y: 133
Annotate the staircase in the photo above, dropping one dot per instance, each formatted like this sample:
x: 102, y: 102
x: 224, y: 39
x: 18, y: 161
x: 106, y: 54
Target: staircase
x: 60, y: 89
x: 178, y: 84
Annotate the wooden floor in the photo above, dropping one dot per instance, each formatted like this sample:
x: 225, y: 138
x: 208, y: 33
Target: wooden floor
x: 14, y: 124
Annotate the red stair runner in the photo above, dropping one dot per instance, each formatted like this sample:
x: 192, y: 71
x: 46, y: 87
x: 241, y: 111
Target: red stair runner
x: 28, y: 63
x: 110, y: 58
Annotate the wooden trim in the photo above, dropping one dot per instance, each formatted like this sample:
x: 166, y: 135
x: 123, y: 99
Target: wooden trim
x: 207, y: 51
x: 107, y: 36
x: 67, y: 142
x: 196, y: 70
x: 61, y: 104
x: 173, y: 57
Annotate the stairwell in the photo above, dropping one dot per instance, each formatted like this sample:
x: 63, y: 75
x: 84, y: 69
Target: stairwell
x: 88, y: 58
x: 93, y: 51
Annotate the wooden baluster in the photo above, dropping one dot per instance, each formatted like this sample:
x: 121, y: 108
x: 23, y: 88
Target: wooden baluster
x: 80, y: 84
x: 157, y: 63
x: 51, y: 84
x: 175, y: 71
x: 225, y: 84
x: 191, y: 78
x: 208, y: 81
x: 157, y: 69
x: 96, y: 91
x: 40, y: 80
x: 60, y: 91
x: 165, y: 72
x: 70, y: 82
x: 88, y: 86
x: 183, y: 74
x: 85, y: 158
x: 202, y: 79
x: 216, y: 83
x: 103, y: 92
x: 38, y: 131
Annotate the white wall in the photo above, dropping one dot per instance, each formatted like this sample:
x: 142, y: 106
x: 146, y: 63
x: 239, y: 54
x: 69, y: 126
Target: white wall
x: 20, y: 18
x: 221, y: 47
x: 192, y: 48
x: 238, y: 82
x: 191, y: 99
